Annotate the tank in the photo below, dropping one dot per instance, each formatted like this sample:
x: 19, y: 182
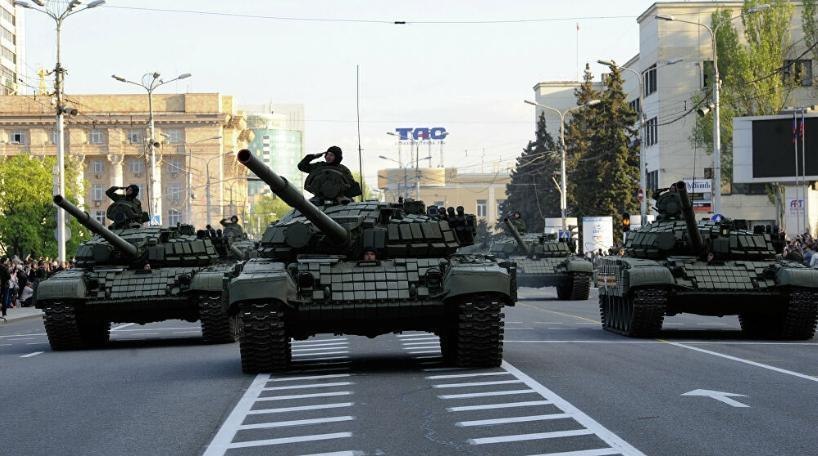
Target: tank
x: 311, y: 277
x: 678, y: 265
x: 135, y: 274
x: 544, y: 261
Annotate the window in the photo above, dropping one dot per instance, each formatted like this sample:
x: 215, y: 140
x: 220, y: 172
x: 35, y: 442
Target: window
x: 651, y: 182
x: 440, y: 203
x: 97, y: 167
x: 636, y: 106
x: 135, y: 136
x: 97, y: 192
x: 798, y: 72
x: 174, y: 192
x: 95, y: 136
x: 649, y: 77
x: 651, y: 133
x: 481, y: 208
x: 17, y: 137
x: 173, y: 136
x: 99, y: 216
x: 175, y: 166
x: 174, y: 217
x: 749, y: 189
x: 708, y: 73
x: 136, y: 166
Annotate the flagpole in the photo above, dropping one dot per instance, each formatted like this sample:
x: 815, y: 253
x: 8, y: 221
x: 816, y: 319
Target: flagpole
x: 797, y: 184
x: 803, y: 131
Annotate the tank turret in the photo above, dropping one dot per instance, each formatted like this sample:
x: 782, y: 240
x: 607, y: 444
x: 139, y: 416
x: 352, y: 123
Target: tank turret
x: 292, y: 196
x: 521, y: 245
x: 87, y: 221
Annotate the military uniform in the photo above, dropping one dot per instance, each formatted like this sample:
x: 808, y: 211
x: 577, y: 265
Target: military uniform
x: 126, y: 209
x: 350, y: 188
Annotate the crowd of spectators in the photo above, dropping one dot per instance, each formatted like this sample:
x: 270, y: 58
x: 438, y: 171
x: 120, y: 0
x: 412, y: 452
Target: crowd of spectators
x: 20, y: 277
x: 802, y: 249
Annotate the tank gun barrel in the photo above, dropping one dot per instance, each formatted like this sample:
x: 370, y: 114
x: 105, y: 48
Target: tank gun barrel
x: 690, y: 218
x: 516, y: 235
x: 292, y: 196
x: 96, y: 227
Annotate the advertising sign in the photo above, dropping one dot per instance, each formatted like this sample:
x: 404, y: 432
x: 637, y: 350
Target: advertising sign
x: 422, y: 133
x: 597, y: 233
x: 701, y: 194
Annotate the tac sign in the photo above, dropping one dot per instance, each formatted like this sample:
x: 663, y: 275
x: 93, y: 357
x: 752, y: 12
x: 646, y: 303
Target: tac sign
x: 156, y: 220
x: 716, y: 218
x: 565, y: 235
x: 422, y: 134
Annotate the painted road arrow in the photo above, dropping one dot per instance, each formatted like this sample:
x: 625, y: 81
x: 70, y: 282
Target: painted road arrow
x: 720, y: 396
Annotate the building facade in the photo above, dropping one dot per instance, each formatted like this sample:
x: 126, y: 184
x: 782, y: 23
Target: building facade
x: 11, y: 47
x: 277, y: 138
x: 480, y: 194
x: 198, y: 134
x: 673, y: 61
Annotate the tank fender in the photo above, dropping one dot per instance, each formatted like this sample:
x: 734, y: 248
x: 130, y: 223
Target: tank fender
x: 797, y: 277
x: 576, y: 265
x: 208, y: 281
x: 62, y: 286
x: 261, y: 281
x: 641, y: 276
x: 466, y: 279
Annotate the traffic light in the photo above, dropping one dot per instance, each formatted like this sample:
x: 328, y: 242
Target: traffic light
x: 626, y: 221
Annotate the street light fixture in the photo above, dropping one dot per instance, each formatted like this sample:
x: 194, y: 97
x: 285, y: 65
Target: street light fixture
x: 400, y: 163
x: 715, y: 103
x: 190, y: 177
x: 150, y: 82
x: 563, y: 183
x: 56, y: 11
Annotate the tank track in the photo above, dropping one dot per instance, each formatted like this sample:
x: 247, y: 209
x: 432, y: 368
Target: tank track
x: 640, y: 313
x: 478, y: 332
x: 62, y: 328
x: 801, y: 316
x: 581, y: 287
x: 263, y: 340
x: 217, y: 326
x: 94, y: 333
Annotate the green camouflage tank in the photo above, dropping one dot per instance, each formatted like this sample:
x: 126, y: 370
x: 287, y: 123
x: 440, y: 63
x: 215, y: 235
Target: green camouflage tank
x: 544, y: 261
x: 676, y: 265
x: 140, y: 275
x: 313, y: 275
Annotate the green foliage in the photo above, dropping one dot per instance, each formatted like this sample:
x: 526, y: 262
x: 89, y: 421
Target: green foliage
x: 808, y: 12
x: 365, y: 190
x: 29, y: 217
x: 532, y: 190
x: 266, y: 209
x: 604, y: 164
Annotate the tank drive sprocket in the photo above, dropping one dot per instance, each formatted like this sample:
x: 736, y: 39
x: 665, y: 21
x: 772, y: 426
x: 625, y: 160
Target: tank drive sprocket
x: 263, y: 340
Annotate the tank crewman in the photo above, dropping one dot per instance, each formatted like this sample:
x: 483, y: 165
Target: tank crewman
x: 232, y: 229
x: 369, y: 254
x: 130, y: 199
x: 517, y: 221
x: 332, y: 157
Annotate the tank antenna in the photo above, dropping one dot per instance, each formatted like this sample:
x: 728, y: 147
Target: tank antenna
x: 358, y: 111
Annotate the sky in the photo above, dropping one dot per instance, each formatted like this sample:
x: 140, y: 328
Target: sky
x: 447, y: 71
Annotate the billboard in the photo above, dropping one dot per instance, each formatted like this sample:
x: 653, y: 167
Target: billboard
x: 701, y: 193
x: 597, y: 233
x: 764, y: 148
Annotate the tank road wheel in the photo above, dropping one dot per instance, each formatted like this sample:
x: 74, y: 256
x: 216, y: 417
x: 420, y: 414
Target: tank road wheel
x: 263, y: 340
x: 639, y: 313
x: 94, y: 332
x: 478, y: 337
x: 217, y: 326
x: 580, y: 287
x: 801, y: 316
x: 61, y: 326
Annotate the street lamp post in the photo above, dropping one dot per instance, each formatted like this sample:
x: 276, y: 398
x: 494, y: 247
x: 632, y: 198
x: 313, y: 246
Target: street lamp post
x: 716, y: 87
x: 220, y: 157
x: 563, y: 180
x: 400, y: 163
x: 190, y: 176
x: 150, y: 82
x: 58, y: 11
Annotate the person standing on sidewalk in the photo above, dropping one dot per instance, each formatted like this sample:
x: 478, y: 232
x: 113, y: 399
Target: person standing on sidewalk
x: 5, y: 277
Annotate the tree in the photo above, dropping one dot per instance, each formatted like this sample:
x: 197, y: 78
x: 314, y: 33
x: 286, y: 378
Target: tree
x: 29, y: 216
x: 367, y: 192
x: 266, y: 209
x: 578, y: 144
x: 752, y: 82
x: 531, y: 190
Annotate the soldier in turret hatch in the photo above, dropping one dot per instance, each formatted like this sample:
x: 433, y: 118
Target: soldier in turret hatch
x: 126, y: 209
x: 517, y: 220
x: 232, y: 229
x: 332, y: 159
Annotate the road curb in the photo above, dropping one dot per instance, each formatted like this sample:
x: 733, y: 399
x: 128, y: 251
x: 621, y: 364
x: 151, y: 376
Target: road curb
x: 10, y: 319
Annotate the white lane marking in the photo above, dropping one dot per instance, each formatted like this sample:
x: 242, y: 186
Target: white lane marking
x: 468, y: 384
x: 192, y: 331
x: 747, y: 361
x: 299, y: 349
x: 430, y: 343
x: 596, y: 452
x: 721, y: 396
x: 221, y: 441
x: 423, y: 352
x: 486, y: 394
x: 5, y: 345
x: 298, y: 355
x: 305, y: 422
x: 318, y: 341
x: 286, y: 440
x: 467, y: 408
x: 319, y: 346
x: 513, y: 419
x: 304, y: 396
x: 654, y: 342
x: 35, y: 343
x: 482, y: 374
x: 534, y: 436
x: 17, y: 339
x: 21, y: 335
x: 603, y: 433
x: 117, y: 328
x: 443, y: 369
x: 147, y: 329
x: 309, y: 385
x: 325, y: 358
x: 309, y: 377
x: 421, y: 334
x: 301, y: 408
x: 427, y: 357
x: 31, y: 354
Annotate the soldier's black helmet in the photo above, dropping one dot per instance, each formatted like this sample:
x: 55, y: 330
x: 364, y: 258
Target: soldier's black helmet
x: 339, y: 155
x: 134, y: 190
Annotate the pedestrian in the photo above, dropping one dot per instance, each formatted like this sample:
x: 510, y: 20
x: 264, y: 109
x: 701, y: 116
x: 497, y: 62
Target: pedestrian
x: 5, y: 278
x: 27, y: 295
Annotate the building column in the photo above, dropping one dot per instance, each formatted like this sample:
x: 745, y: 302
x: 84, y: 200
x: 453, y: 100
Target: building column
x: 117, y: 161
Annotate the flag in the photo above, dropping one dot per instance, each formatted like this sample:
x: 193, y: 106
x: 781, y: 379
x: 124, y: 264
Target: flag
x: 803, y: 121
x: 794, y: 128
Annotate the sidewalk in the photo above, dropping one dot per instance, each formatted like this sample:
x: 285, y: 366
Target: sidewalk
x: 19, y: 313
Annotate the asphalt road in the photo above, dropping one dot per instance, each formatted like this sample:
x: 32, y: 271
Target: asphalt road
x: 565, y: 388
